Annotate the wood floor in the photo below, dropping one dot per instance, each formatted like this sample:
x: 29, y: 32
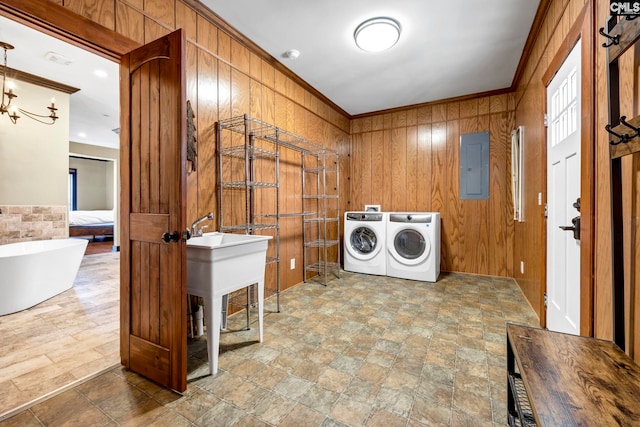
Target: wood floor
x: 99, y: 246
x: 64, y: 339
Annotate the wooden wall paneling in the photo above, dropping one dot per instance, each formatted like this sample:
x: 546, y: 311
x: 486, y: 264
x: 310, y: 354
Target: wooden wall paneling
x: 267, y: 109
x: 135, y: 3
x: 163, y: 12
x: 412, y: 117
x: 301, y: 125
x: 423, y: 114
x: 240, y: 93
x: 357, y: 173
x: 438, y: 176
x: 224, y: 46
x: 377, y: 122
x: 207, y: 34
x: 423, y: 168
x: 129, y: 22
x: 484, y: 105
x: 498, y: 103
x: 500, y: 215
x: 344, y: 171
x: 603, y: 275
x: 280, y: 82
x: 224, y: 91
x: 153, y: 30
x: 255, y: 99
x: 290, y: 116
x: 509, y: 266
x: 187, y: 19
x: 240, y: 57
x: 207, y: 114
x: 192, y: 96
x: 398, y: 168
x: 255, y: 66
x: 473, y: 218
x: 439, y: 113
x: 413, y: 186
x: 450, y: 222
x: 100, y: 11
x: 280, y: 113
x: 268, y: 74
x: 387, y: 171
x: 469, y: 108
x: 363, y: 166
x: 453, y: 110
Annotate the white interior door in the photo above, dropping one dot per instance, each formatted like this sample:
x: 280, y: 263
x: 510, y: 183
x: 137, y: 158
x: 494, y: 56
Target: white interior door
x: 563, y: 190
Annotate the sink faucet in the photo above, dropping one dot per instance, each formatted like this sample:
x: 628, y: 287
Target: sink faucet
x: 197, y: 232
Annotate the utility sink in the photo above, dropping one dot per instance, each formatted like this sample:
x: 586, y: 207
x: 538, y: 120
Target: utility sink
x: 218, y: 264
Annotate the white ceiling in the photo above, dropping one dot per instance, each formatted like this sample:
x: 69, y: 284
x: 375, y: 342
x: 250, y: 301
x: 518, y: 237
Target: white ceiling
x: 94, y: 108
x: 446, y: 49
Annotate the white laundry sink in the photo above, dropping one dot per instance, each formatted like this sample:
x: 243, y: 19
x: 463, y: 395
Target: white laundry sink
x: 218, y: 264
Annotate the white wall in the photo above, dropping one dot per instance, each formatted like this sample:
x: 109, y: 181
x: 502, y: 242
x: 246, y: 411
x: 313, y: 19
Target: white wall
x: 94, y: 183
x: 33, y: 156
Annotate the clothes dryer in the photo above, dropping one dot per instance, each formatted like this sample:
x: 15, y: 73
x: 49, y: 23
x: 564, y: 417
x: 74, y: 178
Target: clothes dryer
x: 413, y: 245
x: 364, y: 242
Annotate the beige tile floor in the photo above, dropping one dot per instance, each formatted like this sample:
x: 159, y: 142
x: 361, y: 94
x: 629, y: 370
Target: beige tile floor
x: 364, y: 351
x: 63, y: 340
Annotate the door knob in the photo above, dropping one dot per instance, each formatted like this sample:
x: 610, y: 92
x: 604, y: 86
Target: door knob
x: 575, y: 227
x: 176, y: 236
x: 576, y: 204
x: 171, y: 237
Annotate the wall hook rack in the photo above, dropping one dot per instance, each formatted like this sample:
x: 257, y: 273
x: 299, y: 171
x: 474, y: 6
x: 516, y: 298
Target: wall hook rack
x: 623, y: 121
x: 614, y: 39
x: 624, y: 138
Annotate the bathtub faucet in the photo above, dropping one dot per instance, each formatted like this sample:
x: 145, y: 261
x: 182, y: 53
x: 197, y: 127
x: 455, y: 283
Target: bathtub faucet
x: 197, y: 232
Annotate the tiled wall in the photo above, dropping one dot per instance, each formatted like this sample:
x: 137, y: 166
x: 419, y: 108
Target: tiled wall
x: 23, y: 223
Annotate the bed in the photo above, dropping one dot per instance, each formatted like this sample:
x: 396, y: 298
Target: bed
x: 91, y: 223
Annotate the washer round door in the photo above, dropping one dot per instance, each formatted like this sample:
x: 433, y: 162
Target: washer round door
x: 410, y: 247
x: 364, y: 243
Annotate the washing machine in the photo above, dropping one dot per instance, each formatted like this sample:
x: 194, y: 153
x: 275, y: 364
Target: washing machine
x: 413, y: 245
x: 364, y: 242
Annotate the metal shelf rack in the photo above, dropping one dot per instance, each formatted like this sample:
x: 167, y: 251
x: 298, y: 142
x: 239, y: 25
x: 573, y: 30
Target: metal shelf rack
x: 249, y: 181
x: 321, y: 232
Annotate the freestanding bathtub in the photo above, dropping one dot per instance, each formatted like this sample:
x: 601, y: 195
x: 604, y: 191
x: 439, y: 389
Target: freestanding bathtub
x: 32, y: 272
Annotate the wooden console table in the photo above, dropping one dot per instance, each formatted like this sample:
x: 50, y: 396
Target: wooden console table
x: 557, y: 379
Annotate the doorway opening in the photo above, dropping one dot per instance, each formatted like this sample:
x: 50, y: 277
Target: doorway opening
x: 75, y: 335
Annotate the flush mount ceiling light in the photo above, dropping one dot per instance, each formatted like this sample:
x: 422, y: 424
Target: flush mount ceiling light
x: 377, y: 34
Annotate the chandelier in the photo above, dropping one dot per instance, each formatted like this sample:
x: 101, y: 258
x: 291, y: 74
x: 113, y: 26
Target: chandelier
x: 8, y: 95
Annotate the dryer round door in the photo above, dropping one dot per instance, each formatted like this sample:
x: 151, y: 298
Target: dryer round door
x: 409, y: 247
x: 364, y: 243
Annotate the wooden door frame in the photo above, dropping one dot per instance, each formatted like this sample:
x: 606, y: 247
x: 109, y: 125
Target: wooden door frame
x: 581, y: 29
x: 63, y: 24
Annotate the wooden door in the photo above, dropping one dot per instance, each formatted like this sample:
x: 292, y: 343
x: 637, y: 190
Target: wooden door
x: 153, y: 327
x: 563, y: 194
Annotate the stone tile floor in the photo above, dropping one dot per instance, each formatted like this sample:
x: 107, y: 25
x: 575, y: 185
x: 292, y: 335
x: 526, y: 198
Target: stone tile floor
x: 63, y: 340
x: 364, y: 351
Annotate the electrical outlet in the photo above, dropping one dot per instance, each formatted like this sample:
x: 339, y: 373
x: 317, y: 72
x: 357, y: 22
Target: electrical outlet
x: 521, y: 267
x: 293, y: 264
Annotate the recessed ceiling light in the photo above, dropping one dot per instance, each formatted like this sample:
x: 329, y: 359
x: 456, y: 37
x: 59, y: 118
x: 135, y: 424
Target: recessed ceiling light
x: 82, y: 135
x: 377, y: 34
x: 101, y: 73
